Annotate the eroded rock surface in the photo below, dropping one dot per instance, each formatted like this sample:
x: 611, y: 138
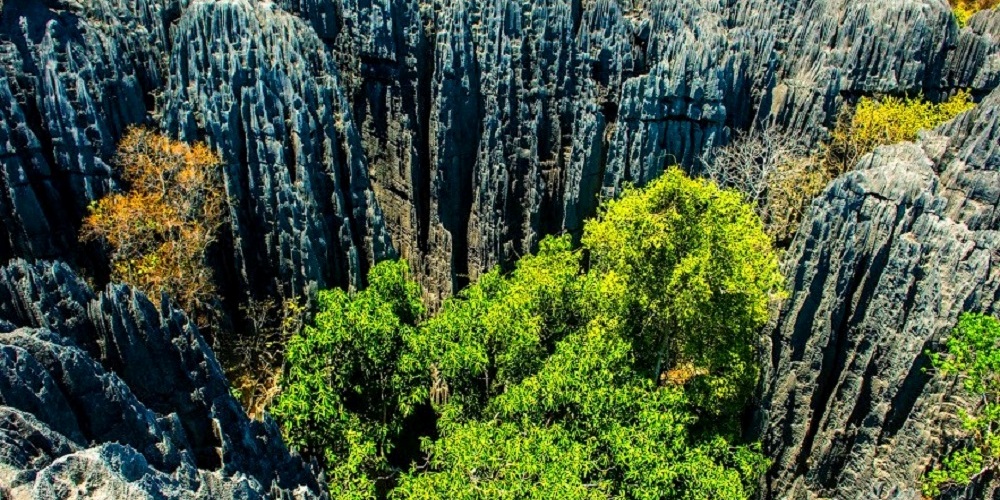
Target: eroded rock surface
x: 887, y: 259
x: 454, y: 134
x: 108, y: 396
x: 257, y: 84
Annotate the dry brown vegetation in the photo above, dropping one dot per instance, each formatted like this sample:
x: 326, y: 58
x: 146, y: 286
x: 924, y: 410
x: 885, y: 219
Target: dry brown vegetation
x: 775, y: 173
x: 253, y: 360
x: 158, y: 231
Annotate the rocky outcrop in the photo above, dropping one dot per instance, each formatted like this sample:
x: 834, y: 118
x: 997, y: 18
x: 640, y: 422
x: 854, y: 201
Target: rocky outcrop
x: 887, y: 259
x: 69, y: 85
x: 975, y: 60
x: 540, y: 108
x: 257, y: 84
x: 454, y: 134
x: 110, y: 396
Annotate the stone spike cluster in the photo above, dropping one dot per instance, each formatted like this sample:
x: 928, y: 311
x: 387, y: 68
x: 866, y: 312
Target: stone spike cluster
x: 251, y: 82
x: 456, y: 134
x: 110, y: 395
x: 887, y: 259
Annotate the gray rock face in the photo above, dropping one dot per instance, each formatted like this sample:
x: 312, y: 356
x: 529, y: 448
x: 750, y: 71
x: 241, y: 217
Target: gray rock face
x: 887, y: 259
x: 69, y: 86
x: 107, y: 396
x: 539, y: 108
x: 975, y: 61
x: 256, y: 83
x: 454, y: 134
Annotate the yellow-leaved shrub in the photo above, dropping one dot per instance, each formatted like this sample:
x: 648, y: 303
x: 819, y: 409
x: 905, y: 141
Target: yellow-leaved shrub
x: 889, y: 120
x: 964, y: 9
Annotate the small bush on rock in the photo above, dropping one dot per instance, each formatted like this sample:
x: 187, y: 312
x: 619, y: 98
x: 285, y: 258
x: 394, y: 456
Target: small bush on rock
x: 965, y: 9
x: 972, y: 358
x: 879, y: 122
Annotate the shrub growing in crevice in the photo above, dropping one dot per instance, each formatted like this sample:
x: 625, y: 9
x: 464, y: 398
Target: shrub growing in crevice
x: 889, y: 120
x: 159, y: 230
x: 775, y: 173
x: 253, y: 358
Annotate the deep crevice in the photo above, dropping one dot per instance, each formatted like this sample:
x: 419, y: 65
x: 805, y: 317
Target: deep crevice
x: 829, y: 472
x: 833, y: 359
x: 422, y: 176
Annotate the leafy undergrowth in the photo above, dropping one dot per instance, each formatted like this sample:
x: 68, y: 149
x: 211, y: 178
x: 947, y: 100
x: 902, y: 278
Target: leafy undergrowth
x: 253, y: 358
x: 972, y: 360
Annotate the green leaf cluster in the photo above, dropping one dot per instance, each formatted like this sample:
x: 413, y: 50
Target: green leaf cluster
x: 618, y: 369
x: 342, y: 393
x: 972, y: 356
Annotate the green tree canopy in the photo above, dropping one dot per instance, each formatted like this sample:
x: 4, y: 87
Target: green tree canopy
x: 614, y: 369
x: 697, y: 273
x: 341, y: 394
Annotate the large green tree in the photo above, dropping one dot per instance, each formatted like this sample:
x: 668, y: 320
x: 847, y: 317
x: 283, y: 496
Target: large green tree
x: 614, y: 369
x: 697, y: 273
x: 497, y: 331
x: 588, y: 423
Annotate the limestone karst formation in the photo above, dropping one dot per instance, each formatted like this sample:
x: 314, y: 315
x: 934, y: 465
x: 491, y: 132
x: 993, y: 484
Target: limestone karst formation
x: 455, y: 134
x: 106, y: 395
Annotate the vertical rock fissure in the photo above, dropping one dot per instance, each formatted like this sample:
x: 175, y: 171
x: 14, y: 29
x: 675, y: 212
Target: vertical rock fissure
x: 829, y: 473
x: 422, y: 177
x: 834, y: 356
x: 857, y: 296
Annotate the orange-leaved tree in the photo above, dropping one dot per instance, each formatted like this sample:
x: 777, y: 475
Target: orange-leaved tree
x: 160, y: 228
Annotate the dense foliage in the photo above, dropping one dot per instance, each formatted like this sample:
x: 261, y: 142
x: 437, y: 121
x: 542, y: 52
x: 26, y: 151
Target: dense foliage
x: 890, y: 120
x: 160, y: 228
x: 695, y: 269
x: 973, y: 357
x: 341, y: 402
x: 965, y: 9
x: 616, y: 369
